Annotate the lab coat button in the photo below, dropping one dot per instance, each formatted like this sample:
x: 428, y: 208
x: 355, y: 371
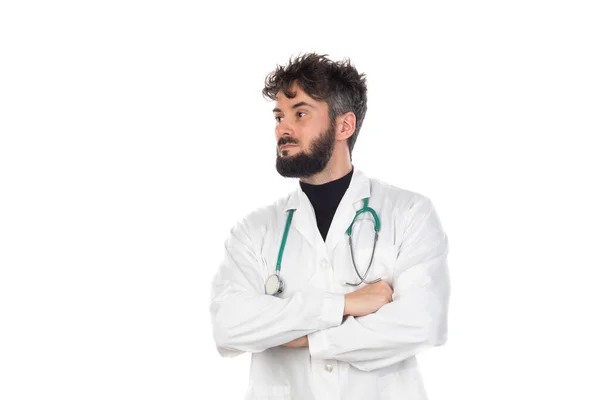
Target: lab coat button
x: 328, y: 368
x: 324, y: 264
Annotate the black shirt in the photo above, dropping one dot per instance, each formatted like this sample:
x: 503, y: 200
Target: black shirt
x: 325, y: 199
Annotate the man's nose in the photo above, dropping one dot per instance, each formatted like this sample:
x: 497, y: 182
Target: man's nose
x: 282, y: 129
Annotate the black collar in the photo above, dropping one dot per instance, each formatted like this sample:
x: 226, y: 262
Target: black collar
x: 328, y: 195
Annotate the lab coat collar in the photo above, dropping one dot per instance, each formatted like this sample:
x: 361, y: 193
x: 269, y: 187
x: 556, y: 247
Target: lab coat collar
x: 306, y: 223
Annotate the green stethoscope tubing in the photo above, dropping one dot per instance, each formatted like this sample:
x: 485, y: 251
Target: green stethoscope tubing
x: 368, y: 209
x: 365, y: 208
x: 285, y: 234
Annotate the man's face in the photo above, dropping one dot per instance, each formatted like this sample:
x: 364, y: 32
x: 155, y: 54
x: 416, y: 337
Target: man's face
x: 305, y: 137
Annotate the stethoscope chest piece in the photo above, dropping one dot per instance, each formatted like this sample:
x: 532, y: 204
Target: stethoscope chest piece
x: 274, y: 285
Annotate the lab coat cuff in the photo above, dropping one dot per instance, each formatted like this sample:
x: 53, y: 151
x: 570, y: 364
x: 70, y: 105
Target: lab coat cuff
x: 332, y: 311
x: 318, y: 344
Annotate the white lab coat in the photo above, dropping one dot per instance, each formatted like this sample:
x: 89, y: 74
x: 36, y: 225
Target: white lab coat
x: 370, y: 357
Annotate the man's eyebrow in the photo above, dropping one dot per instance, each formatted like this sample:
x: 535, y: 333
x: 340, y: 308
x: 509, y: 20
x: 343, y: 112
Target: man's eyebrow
x: 300, y: 104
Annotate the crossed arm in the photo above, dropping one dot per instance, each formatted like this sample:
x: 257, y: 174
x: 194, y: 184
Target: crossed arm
x: 246, y: 320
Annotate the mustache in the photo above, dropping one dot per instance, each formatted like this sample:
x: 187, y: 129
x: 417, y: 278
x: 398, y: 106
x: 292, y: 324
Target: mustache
x: 286, y: 140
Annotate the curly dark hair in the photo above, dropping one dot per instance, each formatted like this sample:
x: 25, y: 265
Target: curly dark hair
x: 337, y: 83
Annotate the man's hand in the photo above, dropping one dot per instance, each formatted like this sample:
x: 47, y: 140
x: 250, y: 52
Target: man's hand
x: 368, y: 299
x: 300, y: 342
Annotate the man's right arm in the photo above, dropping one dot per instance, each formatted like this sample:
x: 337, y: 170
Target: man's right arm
x: 245, y: 319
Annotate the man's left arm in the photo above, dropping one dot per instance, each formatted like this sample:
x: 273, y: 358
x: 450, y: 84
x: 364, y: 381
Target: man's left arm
x: 417, y: 317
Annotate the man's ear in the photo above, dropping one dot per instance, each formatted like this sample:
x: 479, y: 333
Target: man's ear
x: 346, y: 123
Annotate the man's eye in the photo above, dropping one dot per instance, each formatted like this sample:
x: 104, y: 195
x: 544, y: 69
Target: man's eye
x: 278, y: 119
x: 300, y: 112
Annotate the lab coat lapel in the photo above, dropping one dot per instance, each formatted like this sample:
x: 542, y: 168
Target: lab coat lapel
x: 352, y: 201
x: 304, y: 220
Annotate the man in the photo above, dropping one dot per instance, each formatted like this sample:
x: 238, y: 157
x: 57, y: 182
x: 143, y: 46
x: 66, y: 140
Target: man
x: 331, y: 330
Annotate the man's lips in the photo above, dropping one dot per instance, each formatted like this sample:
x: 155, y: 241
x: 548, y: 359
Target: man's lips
x: 286, y: 146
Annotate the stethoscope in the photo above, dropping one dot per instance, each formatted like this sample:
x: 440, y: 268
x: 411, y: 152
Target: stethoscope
x: 274, y: 284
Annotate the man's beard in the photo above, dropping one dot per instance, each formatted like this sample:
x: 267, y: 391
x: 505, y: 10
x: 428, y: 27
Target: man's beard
x: 302, y: 164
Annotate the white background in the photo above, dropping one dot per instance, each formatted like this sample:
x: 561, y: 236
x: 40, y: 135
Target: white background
x: 134, y: 135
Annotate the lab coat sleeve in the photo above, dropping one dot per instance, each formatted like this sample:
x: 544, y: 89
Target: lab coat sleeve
x: 245, y: 319
x: 416, y: 319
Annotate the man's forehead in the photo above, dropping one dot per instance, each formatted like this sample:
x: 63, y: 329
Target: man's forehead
x: 299, y: 97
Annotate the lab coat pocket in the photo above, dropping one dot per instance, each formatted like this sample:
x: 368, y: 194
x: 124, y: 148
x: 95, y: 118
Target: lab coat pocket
x: 268, y: 392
